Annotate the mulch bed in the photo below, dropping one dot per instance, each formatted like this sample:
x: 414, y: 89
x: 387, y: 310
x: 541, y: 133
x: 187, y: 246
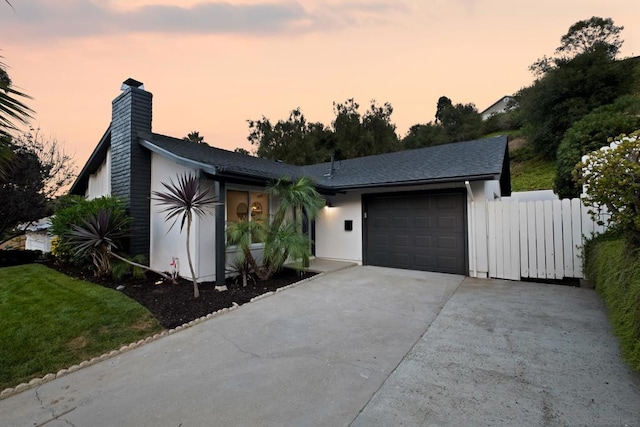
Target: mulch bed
x: 174, y: 304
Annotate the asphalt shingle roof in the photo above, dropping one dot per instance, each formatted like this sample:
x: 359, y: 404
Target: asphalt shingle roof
x: 221, y: 161
x: 470, y: 160
x: 449, y: 162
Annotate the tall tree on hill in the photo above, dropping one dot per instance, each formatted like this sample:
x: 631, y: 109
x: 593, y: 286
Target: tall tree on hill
x: 569, y: 87
x: 460, y: 122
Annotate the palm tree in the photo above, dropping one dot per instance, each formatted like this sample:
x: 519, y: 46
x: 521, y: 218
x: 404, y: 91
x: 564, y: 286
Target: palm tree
x: 183, y: 200
x: 11, y: 109
x: 299, y: 195
x: 283, y: 239
x: 195, y: 137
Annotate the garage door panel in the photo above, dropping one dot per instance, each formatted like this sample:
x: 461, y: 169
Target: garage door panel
x: 422, y: 241
x: 418, y: 231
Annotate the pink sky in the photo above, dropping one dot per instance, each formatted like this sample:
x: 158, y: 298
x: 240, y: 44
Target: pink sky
x: 213, y: 65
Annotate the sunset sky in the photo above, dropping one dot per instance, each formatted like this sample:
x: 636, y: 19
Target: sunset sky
x: 212, y: 65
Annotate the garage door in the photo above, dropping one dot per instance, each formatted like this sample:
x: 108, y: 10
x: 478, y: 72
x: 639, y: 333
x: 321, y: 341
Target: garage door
x: 417, y: 232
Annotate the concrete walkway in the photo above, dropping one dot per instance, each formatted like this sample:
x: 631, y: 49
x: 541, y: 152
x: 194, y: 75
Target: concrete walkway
x: 365, y: 346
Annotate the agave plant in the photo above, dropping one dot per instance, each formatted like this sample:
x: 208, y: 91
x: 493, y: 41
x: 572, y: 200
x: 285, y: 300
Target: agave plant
x: 182, y: 200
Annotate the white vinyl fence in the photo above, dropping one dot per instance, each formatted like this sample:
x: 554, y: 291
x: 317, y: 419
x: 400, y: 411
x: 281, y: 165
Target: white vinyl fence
x: 541, y: 239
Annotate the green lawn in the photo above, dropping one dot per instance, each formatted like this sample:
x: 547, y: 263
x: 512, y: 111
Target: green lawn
x: 49, y: 321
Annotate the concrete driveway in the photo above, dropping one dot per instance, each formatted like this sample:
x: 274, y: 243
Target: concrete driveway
x: 363, y: 346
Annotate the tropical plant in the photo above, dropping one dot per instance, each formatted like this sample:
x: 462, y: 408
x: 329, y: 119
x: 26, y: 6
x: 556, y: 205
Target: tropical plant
x: 73, y: 209
x: 283, y: 237
x: 240, y: 268
x: 195, y: 137
x: 97, y: 238
x: 12, y: 110
x: 184, y: 199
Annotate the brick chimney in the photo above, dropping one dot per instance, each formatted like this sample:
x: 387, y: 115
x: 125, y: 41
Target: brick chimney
x: 130, y: 163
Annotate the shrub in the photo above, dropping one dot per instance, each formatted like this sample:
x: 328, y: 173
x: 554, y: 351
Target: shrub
x: 74, y: 210
x: 612, y: 178
x: 12, y: 257
x: 590, y: 133
x: 616, y: 272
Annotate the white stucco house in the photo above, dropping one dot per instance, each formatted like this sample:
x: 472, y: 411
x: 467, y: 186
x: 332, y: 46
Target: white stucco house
x: 420, y: 209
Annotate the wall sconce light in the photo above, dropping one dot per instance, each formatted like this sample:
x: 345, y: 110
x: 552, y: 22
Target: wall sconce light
x: 328, y: 203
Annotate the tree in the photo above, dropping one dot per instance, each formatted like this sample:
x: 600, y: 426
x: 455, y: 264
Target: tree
x: 58, y: 170
x: 426, y: 135
x: 568, y: 92
x: 195, y: 137
x: 612, y: 180
x: 299, y: 142
x: 38, y: 172
x: 283, y: 237
x: 590, y: 133
x: 182, y: 200
x: 589, y: 35
x: 294, y: 141
x: 241, y: 150
x: 583, y: 75
x: 12, y: 109
x: 460, y: 122
x: 22, y: 193
x: 363, y: 135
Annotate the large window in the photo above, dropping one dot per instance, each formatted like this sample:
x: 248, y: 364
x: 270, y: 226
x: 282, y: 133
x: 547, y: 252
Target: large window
x: 248, y: 206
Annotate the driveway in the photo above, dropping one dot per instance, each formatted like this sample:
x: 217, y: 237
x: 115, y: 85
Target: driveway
x: 363, y: 346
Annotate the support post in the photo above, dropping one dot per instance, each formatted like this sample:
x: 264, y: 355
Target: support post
x: 221, y: 240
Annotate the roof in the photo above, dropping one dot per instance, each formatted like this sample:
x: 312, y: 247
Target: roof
x: 482, y: 159
x: 501, y: 100
x: 216, y: 161
x: 463, y: 161
x: 95, y: 160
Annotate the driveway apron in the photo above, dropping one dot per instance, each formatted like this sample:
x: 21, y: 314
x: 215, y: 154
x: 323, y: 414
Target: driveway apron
x: 312, y: 355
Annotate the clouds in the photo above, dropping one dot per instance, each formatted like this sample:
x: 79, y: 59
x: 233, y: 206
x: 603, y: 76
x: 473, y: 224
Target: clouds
x: 82, y: 18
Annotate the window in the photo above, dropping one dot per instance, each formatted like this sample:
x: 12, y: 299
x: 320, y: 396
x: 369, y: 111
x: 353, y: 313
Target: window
x: 248, y: 206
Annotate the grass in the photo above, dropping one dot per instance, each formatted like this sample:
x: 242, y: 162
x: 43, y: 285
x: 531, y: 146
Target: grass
x: 50, y: 321
x: 528, y: 171
x: 616, y: 272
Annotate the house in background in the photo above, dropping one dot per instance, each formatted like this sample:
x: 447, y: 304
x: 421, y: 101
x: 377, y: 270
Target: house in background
x: 502, y: 105
x: 420, y: 209
x: 38, y: 235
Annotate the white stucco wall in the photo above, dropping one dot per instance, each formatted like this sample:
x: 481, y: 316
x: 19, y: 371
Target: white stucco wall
x: 333, y: 242
x: 167, y: 242
x: 100, y: 182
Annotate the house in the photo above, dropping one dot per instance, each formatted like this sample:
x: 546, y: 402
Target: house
x: 502, y: 105
x: 421, y: 209
x: 38, y: 236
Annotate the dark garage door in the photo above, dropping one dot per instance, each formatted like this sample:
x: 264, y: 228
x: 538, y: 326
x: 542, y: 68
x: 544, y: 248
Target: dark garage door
x: 416, y: 231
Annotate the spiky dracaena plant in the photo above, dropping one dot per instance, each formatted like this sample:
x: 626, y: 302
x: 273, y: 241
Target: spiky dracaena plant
x: 182, y: 200
x: 97, y: 237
